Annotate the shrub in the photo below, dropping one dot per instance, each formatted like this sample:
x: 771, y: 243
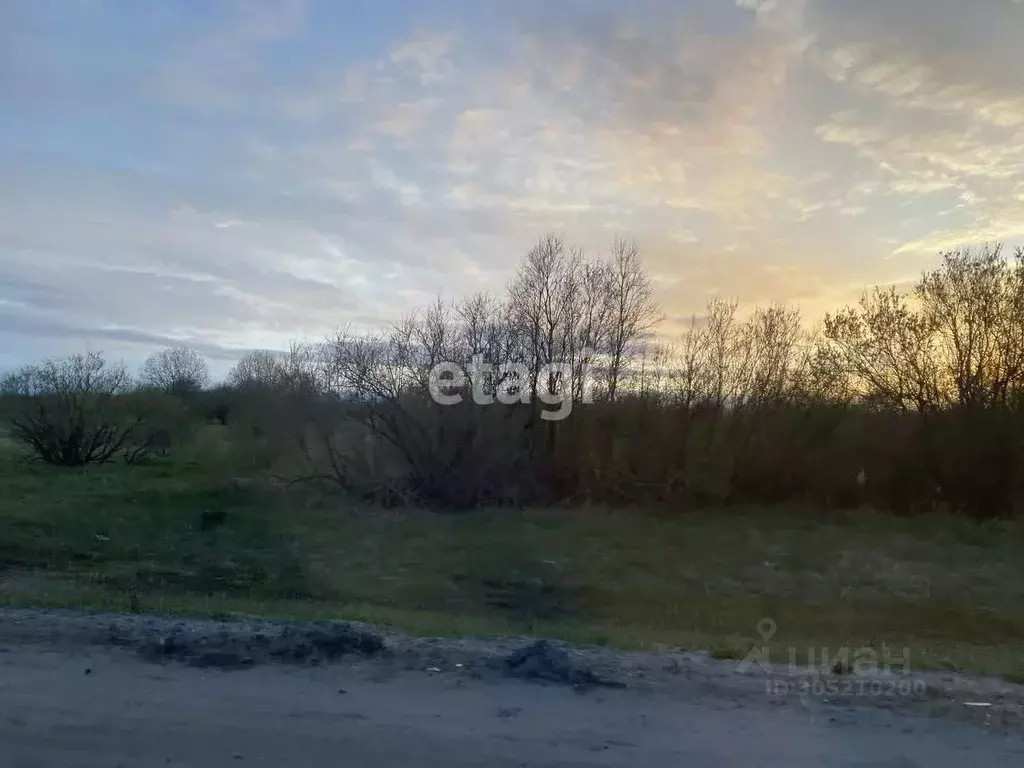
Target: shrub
x: 69, y: 412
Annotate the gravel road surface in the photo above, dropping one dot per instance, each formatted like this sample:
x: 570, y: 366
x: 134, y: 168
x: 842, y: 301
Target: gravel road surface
x: 92, y: 693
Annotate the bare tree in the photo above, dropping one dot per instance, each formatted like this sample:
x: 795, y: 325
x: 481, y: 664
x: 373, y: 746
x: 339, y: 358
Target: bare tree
x: 485, y: 332
x: 726, y: 362
x: 593, y: 315
x: 259, y: 369
x: 725, y: 351
x: 385, y: 379
x: 178, y: 370
x: 542, y: 297
x: 690, y: 376
x: 302, y: 369
x: 814, y: 383
x: 654, y: 375
x: 632, y: 310
x: 884, y: 350
x: 958, y: 339
x: 771, y: 341
x: 585, y: 313
x: 974, y: 302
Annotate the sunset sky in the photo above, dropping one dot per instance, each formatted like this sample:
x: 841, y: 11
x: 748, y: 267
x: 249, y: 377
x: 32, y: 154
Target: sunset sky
x: 238, y: 174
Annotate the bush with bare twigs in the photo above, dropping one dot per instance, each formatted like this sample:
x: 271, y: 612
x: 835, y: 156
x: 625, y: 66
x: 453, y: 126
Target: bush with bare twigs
x: 69, y: 412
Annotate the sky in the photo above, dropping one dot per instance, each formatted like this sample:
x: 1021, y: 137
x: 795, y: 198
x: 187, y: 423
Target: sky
x: 236, y: 174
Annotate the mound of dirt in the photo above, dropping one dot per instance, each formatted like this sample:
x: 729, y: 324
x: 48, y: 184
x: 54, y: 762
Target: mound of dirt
x: 241, y: 647
x: 542, y: 661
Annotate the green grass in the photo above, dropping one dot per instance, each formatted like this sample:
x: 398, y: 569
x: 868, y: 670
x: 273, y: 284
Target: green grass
x: 139, y: 529
x: 117, y: 538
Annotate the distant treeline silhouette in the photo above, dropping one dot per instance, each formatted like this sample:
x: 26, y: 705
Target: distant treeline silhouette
x: 910, y: 402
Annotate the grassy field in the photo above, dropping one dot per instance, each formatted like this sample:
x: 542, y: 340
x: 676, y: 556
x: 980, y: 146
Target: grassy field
x: 177, y: 537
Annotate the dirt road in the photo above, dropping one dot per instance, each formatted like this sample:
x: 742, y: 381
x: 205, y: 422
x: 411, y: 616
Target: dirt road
x: 89, y: 706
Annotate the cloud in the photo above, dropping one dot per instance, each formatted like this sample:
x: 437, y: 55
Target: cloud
x: 426, y: 53
x: 221, y: 66
x: 932, y: 103
x: 248, y: 172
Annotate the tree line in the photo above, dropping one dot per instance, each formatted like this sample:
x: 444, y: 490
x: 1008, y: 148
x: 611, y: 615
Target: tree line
x: 909, y: 401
